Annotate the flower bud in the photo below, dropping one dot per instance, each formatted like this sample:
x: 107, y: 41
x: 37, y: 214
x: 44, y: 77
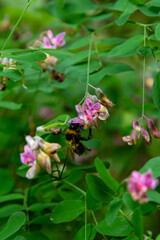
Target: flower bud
x: 32, y: 172
x: 44, y: 161
x: 40, y: 129
x: 128, y: 139
x: 146, y: 135
x: 154, y: 131
x: 104, y: 99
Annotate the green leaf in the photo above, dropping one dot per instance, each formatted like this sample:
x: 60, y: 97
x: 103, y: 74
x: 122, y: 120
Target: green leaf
x: 111, y: 40
x: 12, y: 74
x: 105, y: 175
x: 154, y: 165
x: 119, y: 228
x: 36, y: 207
x: 113, y: 210
x: 35, y: 56
x: 138, y: 223
x: 10, y: 105
x: 11, y: 197
x: 148, y: 208
x: 98, y: 188
x: 91, y: 233
x: 144, y: 51
x: 155, y: 3
x: 15, y: 222
x: 154, y: 196
x: 158, y: 237
x: 131, y: 238
x: 37, y: 235
x: 150, y: 11
x: 78, y: 7
x: 67, y: 211
x: 123, y: 18
x: 128, y: 201
x: 127, y: 48
x: 6, y: 211
x: 157, y: 32
x: 110, y: 70
x: 6, y: 182
x: 79, y: 43
x: 92, y: 203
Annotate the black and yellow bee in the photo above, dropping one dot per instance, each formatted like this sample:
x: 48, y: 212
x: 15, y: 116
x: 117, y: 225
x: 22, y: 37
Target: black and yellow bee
x: 73, y: 138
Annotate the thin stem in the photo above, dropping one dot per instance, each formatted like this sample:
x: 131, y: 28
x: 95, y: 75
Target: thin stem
x: 26, y: 193
x: 65, y: 161
x: 124, y: 215
x: 15, y: 26
x: 85, y: 219
x: 95, y: 220
x: 92, y: 86
x: 144, y: 75
x: 89, y: 58
x: 75, y: 187
x: 105, y: 26
x: 56, y: 124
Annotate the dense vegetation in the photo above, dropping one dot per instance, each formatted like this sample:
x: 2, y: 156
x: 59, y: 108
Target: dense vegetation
x: 94, y: 63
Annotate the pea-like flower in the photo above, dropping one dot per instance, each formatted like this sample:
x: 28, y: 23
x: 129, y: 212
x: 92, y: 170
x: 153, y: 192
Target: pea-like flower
x: 37, y: 158
x: 139, y: 184
x: 89, y: 113
x: 51, y: 41
x: 136, y: 133
x: 154, y: 131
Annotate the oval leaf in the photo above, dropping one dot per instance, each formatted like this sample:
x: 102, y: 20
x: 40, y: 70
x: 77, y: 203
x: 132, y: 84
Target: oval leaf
x: 67, y: 211
x: 15, y: 222
x: 91, y: 233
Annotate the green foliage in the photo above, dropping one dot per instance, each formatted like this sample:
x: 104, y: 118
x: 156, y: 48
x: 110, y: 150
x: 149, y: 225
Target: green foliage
x: 138, y: 223
x: 154, y: 165
x: 119, y: 228
x: 66, y: 211
x: 113, y: 210
x: 91, y: 233
x: 7, y: 185
x: 156, y: 88
x: 14, y: 223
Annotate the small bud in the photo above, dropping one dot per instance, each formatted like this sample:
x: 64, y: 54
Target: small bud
x: 104, y: 99
x: 136, y: 126
x: 40, y: 129
x: 146, y: 135
x: 154, y: 131
x: 44, y: 161
x: 32, y: 172
x: 128, y: 139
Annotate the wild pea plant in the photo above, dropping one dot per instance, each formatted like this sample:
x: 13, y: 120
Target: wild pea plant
x: 68, y: 190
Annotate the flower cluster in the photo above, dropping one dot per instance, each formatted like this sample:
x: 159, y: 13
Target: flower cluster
x: 35, y: 158
x: 51, y: 41
x: 92, y: 110
x: 139, y: 131
x: 139, y: 184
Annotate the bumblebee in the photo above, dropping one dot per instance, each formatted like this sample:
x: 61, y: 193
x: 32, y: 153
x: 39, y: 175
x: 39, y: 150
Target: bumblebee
x: 73, y: 138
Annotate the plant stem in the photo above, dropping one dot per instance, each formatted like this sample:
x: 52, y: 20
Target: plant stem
x: 144, y: 75
x: 89, y: 58
x: 75, y: 187
x: 105, y: 26
x: 94, y: 217
x: 65, y: 161
x: 26, y: 207
x: 15, y: 26
x: 85, y: 219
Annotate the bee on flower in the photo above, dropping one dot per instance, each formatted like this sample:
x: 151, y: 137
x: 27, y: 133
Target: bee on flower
x: 37, y: 154
x: 90, y: 113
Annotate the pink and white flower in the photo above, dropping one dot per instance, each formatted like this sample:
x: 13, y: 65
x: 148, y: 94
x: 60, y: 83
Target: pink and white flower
x: 28, y: 157
x: 51, y: 41
x: 139, y: 184
x: 89, y: 112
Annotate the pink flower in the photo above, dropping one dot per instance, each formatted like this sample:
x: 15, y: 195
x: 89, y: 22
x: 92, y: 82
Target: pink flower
x: 139, y: 184
x: 154, y: 131
x: 51, y: 41
x: 135, y: 134
x: 28, y: 157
